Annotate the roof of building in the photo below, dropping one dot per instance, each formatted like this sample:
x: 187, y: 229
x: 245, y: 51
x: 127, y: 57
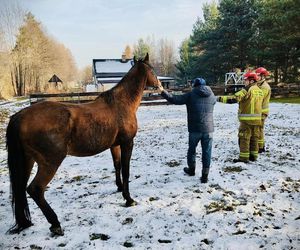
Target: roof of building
x: 111, y: 67
x: 112, y: 70
x: 54, y: 78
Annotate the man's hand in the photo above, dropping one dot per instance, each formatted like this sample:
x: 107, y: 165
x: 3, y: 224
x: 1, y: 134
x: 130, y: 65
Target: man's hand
x: 160, y: 88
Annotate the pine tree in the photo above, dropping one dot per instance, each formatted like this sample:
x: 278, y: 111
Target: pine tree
x: 278, y: 34
x: 204, y: 43
x: 183, y: 66
x: 141, y: 48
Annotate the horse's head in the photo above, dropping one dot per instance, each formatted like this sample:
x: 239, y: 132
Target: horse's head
x: 152, y: 80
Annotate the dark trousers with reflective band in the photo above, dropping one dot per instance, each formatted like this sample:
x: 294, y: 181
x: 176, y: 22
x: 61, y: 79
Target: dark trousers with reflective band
x: 261, y: 139
x: 248, y: 141
x: 206, y: 144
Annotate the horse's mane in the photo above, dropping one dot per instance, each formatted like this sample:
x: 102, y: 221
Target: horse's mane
x: 107, y: 96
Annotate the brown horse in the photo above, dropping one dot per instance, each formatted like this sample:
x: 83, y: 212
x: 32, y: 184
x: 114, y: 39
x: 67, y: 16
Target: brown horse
x: 47, y: 132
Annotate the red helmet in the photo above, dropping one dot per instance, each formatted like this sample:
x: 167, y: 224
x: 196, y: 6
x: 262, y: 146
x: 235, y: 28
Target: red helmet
x: 251, y: 76
x: 262, y: 71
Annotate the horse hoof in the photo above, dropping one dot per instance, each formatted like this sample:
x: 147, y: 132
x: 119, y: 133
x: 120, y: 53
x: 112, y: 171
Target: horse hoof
x: 56, y: 231
x: 19, y: 229
x: 131, y: 203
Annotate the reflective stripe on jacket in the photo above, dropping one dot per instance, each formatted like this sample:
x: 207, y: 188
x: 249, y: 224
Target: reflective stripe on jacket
x: 265, y: 87
x: 250, y: 104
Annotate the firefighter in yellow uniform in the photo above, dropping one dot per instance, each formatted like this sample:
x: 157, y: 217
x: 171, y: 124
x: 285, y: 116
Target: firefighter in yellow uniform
x: 265, y: 87
x: 250, y: 110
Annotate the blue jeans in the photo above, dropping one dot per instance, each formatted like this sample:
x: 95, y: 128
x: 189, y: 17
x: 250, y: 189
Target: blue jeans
x: 206, y: 144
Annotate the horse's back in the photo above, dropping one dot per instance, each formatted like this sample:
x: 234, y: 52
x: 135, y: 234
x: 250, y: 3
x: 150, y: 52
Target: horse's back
x: 44, y: 117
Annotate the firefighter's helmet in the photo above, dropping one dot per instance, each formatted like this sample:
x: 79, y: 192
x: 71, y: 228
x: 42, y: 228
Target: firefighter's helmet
x: 251, y: 76
x: 262, y: 71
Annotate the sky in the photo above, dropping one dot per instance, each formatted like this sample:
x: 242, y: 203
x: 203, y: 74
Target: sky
x: 102, y: 29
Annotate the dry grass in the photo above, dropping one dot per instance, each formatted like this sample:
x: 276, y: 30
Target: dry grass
x: 4, y: 115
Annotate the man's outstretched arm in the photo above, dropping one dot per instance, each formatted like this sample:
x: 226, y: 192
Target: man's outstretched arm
x: 175, y: 99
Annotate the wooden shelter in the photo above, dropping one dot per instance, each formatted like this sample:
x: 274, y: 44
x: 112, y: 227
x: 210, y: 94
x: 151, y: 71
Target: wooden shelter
x: 55, y: 79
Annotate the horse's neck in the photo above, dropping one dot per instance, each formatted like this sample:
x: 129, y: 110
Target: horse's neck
x: 130, y: 89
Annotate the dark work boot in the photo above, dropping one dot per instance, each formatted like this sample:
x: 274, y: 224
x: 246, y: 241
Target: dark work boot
x: 239, y: 160
x: 252, y: 158
x: 204, y: 178
x: 262, y: 150
x: 189, y: 171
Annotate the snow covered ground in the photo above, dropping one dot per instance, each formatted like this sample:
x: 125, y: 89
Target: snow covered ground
x: 244, y: 206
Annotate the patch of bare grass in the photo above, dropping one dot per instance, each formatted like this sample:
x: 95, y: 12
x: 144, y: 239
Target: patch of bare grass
x: 235, y: 169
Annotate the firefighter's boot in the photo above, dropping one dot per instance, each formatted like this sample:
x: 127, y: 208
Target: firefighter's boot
x: 252, y: 158
x: 240, y: 160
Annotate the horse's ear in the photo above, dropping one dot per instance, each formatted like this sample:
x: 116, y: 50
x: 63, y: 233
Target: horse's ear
x: 146, y: 58
x: 134, y: 60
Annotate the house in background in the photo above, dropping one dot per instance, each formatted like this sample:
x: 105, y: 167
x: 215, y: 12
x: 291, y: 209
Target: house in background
x: 109, y: 72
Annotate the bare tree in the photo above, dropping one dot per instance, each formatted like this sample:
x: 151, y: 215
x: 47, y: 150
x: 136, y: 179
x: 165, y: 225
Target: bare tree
x: 29, y: 57
x: 62, y: 63
x: 11, y: 18
x: 128, y: 52
x: 5, y: 88
x: 86, y: 75
x: 166, y: 57
x: 162, y: 54
x: 36, y: 57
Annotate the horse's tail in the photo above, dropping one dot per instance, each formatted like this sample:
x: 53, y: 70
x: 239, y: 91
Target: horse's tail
x: 18, y: 176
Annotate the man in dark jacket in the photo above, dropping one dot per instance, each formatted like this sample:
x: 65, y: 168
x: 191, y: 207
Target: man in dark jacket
x: 200, y: 105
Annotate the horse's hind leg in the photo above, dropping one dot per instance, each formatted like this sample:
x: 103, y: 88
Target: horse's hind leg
x: 116, y: 155
x: 36, y: 190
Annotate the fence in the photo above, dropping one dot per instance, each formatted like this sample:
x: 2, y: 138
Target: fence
x: 151, y: 97
x: 285, y: 90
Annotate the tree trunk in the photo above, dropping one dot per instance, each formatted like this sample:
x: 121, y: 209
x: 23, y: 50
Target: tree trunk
x: 276, y: 74
x: 20, y: 80
x: 24, y: 79
x: 13, y: 82
x: 17, y: 80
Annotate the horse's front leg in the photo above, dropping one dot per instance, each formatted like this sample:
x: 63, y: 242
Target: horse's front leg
x: 126, y: 151
x: 116, y: 155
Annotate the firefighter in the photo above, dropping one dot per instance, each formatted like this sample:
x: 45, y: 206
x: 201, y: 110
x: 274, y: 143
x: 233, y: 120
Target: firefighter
x: 250, y: 110
x: 265, y: 87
